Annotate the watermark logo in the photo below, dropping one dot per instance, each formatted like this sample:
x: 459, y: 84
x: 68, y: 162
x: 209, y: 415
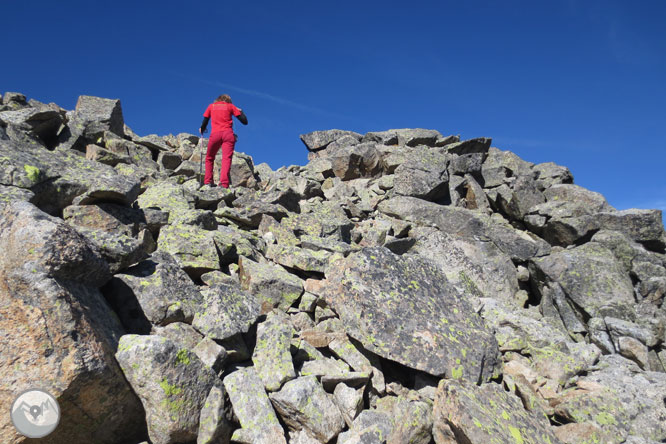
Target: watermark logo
x: 35, y: 413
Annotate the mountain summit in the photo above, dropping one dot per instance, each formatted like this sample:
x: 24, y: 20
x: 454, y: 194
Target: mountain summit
x: 404, y: 286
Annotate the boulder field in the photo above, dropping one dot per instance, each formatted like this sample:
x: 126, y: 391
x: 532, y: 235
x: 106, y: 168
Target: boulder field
x: 404, y: 286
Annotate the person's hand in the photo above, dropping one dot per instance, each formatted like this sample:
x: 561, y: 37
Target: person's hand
x: 200, y: 131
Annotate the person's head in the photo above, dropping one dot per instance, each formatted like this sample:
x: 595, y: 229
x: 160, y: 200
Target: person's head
x: 224, y: 98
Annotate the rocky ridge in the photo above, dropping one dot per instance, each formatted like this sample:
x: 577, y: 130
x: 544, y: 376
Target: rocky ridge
x: 402, y: 287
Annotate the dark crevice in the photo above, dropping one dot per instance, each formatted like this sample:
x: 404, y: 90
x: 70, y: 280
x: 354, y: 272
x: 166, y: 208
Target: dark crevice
x: 558, y: 420
x: 305, y: 274
x: 585, y: 239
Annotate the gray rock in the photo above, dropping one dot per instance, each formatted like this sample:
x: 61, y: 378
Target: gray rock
x: 642, y: 226
x: 523, y: 196
x: 118, y: 250
x: 478, y: 145
x: 271, y: 356
x: 500, y: 166
x: 208, y: 198
x: 252, y: 407
x: 407, y: 136
x: 270, y: 283
x: 213, y: 424
x: 349, y: 401
x: 250, y: 215
x: 351, y: 162
x: 466, y: 224
x: 412, y: 420
x: 299, y: 258
x: 549, y: 174
x: 476, y: 269
x: 14, y: 98
x: 11, y: 194
x: 303, y: 404
x: 50, y: 245
x: 404, y: 309
x: 325, y: 219
x: 169, y: 161
x: 166, y: 197
x: 57, y: 331
x: 43, y: 121
x: 227, y: 310
x: 136, y: 154
x: 302, y: 437
x: 603, y: 290
x: 111, y: 218
x: 189, y: 168
x: 623, y: 399
x: 204, y: 219
x: 358, y: 360
x: 211, y: 354
x: 57, y: 178
x: 466, y: 164
x: 317, y: 243
x: 184, y: 335
x: 370, y: 427
x: 241, y: 172
x: 172, y: 384
x: 195, y: 249
x: 351, y: 379
x: 318, y: 140
x: 423, y: 175
x: 485, y: 415
x: 154, y: 143
x: 91, y: 118
x: 592, y: 202
x: 244, y: 243
x: 107, y: 157
x: 324, y: 367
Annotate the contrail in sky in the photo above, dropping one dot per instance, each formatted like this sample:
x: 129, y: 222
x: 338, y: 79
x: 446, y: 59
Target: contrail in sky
x: 263, y: 95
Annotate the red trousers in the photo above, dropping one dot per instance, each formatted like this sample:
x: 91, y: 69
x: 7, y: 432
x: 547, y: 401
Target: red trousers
x: 226, y: 140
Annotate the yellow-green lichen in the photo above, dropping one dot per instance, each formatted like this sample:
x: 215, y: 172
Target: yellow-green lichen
x: 32, y: 173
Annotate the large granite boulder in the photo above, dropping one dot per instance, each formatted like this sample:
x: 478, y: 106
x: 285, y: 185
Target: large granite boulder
x: 587, y: 281
x: 58, y: 332
x: 156, y: 287
x: 90, y: 119
x: 226, y: 311
x: 404, y: 309
x: 59, y: 178
x: 319, y: 140
x: 270, y: 283
x: 423, y: 175
x: 171, y: 382
x: 253, y: 409
x: 485, y: 414
x: 271, y: 356
x: 303, y: 404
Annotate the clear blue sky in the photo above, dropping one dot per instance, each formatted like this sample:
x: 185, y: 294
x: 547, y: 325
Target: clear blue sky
x: 578, y: 82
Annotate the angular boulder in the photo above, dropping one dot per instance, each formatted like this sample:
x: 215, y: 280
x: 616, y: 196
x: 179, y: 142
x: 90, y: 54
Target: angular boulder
x: 303, y: 404
x: 270, y: 283
x: 58, y: 332
x: 465, y: 412
x: 171, y: 382
x: 602, y: 289
x: 404, y: 309
x: 164, y: 292
x: 271, y: 356
x: 253, y: 408
x: 226, y: 311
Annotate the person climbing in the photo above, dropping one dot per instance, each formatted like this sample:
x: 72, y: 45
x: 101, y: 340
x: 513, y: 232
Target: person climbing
x: 221, y: 135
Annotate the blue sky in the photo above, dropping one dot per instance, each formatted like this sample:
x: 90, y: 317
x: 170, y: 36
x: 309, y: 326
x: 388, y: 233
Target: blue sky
x: 580, y: 83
